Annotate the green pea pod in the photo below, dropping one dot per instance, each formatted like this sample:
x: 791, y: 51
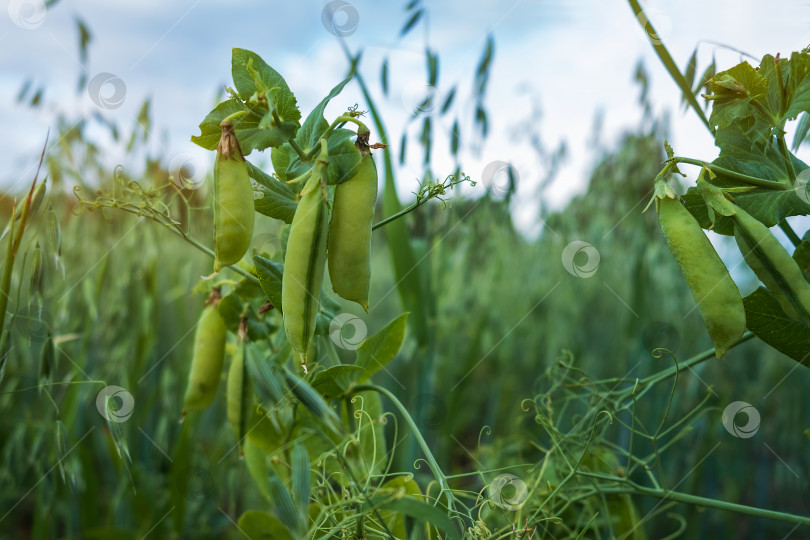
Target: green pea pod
x: 773, y: 265
x: 238, y: 395
x: 714, y: 291
x: 206, y: 364
x: 350, y: 233
x: 233, y: 202
x: 304, y: 264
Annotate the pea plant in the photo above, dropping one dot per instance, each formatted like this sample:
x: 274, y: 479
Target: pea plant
x: 754, y: 184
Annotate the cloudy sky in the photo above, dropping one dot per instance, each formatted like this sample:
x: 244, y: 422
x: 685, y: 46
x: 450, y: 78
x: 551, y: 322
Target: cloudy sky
x: 568, y: 59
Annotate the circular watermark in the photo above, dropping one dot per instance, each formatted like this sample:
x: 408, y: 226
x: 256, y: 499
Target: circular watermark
x: 267, y: 243
x: 800, y: 186
x: 661, y: 335
x: 107, y: 90
x: 751, y: 426
x: 500, y: 178
x: 340, y: 18
x: 419, y: 98
x: 196, y: 481
x: 348, y: 331
x: 113, y: 413
x: 33, y: 325
x: 572, y: 259
x: 430, y: 411
x: 657, y: 25
x: 27, y: 14
x: 187, y: 171
x: 508, y: 491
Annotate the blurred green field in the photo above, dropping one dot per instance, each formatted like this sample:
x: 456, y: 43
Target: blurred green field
x: 522, y: 358
x: 502, y: 311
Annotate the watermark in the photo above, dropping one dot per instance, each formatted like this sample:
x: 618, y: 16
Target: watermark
x: 187, y: 171
x: 33, y: 325
x: 419, y: 98
x: 500, y: 178
x: 508, y: 491
x: 429, y: 411
x: 348, y: 331
x: 107, y: 90
x: 104, y: 404
x: 27, y: 14
x: 195, y: 481
x: 750, y: 428
x: 657, y: 25
x: 340, y: 18
x: 572, y: 259
x: 800, y: 186
x: 661, y: 335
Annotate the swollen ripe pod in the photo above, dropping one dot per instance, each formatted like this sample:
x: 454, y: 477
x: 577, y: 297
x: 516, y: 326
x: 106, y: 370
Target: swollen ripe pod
x: 350, y: 233
x: 206, y: 364
x: 714, y: 291
x: 233, y: 202
x: 773, y: 265
x: 304, y: 264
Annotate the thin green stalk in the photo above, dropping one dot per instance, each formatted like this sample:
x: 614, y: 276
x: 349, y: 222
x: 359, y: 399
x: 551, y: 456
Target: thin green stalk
x: 695, y: 500
x: 752, y: 180
x: 783, y: 149
x: 669, y: 63
x: 791, y: 234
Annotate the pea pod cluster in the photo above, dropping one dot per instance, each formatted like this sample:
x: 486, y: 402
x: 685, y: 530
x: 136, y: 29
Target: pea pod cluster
x: 305, y: 262
x: 716, y: 294
x: 233, y: 201
x: 773, y: 265
x: 349, y: 245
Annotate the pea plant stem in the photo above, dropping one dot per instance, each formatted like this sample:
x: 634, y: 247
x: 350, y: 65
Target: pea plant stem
x: 696, y: 500
x: 752, y: 180
x: 434, y: 466
x: 668, y: 62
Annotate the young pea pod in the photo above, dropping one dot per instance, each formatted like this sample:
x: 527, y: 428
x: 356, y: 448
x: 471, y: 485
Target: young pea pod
x: 773, y: 265
x: 304, y: 263
x: 350, y: 233
x: 209, y: 356
x: 714, y: 291
x: 233, y: 202
x: 239, y: 394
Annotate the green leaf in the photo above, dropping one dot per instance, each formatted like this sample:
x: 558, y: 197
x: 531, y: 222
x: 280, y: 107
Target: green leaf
x: 280, y: 158
x: 315, y: 124
x: 798, y: 85
x: 247, y: 289
x: 738, y: 94
x: 336, y: 381
x: 258, y: 525
x: 270, y: 274
x: 801, y: 131
x: 266, y: 380
x: 379, y: 349
x: 411, y: 22
x: 256, y: 461
x: 312, y: 400
x: 232, y: 307
x: 770, y: 324
x: 278, y: 200
x: 251, y: 74
x: 421, y: 511
x: 246, y: 127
